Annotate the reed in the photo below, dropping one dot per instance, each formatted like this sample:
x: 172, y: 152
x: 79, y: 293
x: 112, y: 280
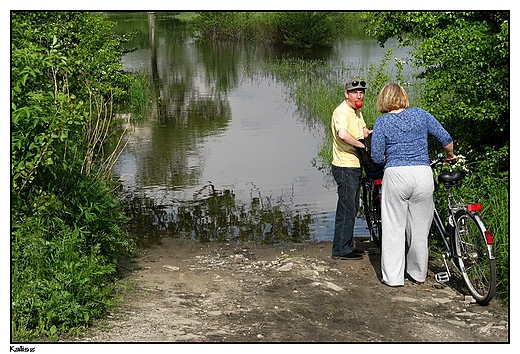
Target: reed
x: 139, y: 94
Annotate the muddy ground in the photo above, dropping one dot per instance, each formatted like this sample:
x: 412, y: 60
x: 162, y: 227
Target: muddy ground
x: 185, y: 292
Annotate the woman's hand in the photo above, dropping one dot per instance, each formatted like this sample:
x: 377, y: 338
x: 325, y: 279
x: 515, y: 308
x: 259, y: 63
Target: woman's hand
x: 451, y: 159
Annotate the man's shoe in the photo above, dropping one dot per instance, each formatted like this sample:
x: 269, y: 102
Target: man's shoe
x: 352, y: 255
x: 356, y: 251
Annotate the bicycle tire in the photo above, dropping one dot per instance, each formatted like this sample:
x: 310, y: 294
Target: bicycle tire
x: 475, y: 260
x: 372, y: 210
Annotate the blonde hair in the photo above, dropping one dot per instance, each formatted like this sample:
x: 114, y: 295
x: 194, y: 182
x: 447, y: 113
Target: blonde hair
x: 392, y: 96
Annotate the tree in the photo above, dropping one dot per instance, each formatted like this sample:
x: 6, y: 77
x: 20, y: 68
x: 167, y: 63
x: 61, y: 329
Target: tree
x: 463, y: 58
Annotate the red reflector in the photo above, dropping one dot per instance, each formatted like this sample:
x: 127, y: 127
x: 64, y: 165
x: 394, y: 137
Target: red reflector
x: 378, y: 182
x: 489, y: 237
x: 474, y: 207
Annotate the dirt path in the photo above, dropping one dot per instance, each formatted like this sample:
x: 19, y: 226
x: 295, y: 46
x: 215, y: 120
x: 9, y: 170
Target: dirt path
x: 186, y: 292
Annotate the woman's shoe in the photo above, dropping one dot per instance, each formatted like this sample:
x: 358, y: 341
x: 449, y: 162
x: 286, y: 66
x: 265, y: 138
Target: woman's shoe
x: 415, y: 281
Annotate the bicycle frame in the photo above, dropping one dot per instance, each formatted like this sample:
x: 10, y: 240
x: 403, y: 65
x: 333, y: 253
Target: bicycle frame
x: 442, y: 229
x: 445, y: 232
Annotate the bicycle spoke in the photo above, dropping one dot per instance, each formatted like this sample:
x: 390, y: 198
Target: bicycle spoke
x: 478, y: 269
x: 372, y: 211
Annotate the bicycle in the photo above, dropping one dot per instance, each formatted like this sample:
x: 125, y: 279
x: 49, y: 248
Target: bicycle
x: 371, y: 184
x: 469, y: 244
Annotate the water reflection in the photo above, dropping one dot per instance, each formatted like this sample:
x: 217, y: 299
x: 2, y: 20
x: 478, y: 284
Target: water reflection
x: 218, y: 216
x: 223, y: 155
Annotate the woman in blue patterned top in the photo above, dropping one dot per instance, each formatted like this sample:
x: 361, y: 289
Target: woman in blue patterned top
x: 400, y: 138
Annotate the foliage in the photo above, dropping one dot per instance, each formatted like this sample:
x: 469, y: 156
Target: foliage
x: 53, y: 284
x: 67, y: 224
x: 463, y: 58
x: 93, y: 60
x: 57, y: 72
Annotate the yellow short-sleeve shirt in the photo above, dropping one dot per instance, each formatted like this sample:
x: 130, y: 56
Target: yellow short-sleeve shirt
x: 344, y: 116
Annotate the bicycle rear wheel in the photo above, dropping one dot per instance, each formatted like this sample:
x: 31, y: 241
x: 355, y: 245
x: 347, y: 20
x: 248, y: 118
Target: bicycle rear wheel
x: 372, y: 210
x: 475, y: 259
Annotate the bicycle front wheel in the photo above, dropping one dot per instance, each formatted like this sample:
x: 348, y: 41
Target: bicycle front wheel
x: 372, y: 210
x: 473, y: 256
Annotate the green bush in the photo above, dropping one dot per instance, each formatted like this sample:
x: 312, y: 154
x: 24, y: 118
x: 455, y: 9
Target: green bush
x: 54, y: 285
x: 67, y: 223
x: 306, y: 29
x: 64, y: 255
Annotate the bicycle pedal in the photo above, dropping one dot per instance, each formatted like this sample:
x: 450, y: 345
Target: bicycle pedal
x: 442, y: 277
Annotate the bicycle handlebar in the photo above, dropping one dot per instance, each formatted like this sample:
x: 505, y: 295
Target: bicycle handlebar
x: 436, y: 160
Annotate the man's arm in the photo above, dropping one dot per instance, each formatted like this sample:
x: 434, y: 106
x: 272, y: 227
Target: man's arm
x: 344, y: 135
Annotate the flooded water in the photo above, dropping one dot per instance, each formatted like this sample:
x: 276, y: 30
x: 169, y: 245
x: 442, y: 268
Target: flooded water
x: 223, y: 155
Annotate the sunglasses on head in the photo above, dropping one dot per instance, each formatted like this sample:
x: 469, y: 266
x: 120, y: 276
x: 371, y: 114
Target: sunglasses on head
x: 356, y: 83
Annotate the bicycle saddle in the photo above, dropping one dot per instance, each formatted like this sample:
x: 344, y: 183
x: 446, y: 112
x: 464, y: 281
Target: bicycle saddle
x: 451, y: 177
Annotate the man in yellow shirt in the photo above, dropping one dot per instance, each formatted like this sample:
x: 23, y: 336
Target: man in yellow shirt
x: 348, y: 126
